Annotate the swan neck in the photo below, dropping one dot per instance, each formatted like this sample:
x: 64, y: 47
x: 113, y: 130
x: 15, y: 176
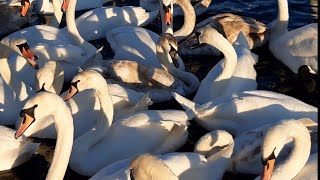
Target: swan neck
x: 282, y: 20
x: 230, y: 55
x: 189, y: 20
x: 299, y: 155
x: 19, y: 87
x: 73, y: 30
x: 57, y: 14
x: 57, y: 82
x: 106, y: 105
x: 64, y: 125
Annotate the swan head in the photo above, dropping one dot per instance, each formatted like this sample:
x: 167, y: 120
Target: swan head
x: 169, y: 45
x: 274, y: 140
x: 24, y: 48
x: 25, y: 7
x: 166, y: 6
x: 206, y: 35
x: 88, y: 79
x: 39, y: 106
x: 49, y: 78
x: 145, y: 167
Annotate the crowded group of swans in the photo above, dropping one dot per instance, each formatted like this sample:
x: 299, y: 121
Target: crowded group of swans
x: 102, y: 125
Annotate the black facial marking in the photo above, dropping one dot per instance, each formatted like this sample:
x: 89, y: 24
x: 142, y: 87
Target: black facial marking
x: 23, y: 45
x: 272, y: 156
x: 174, y: 56
x: 29, y: 111
x: 24, y: 1
x: 131, y: 175
x: 42, y: 88
x: 166, y: 8
x: 74, y: 84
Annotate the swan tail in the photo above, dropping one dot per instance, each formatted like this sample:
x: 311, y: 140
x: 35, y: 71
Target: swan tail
x: 188, y: 105
x: 242, y: 40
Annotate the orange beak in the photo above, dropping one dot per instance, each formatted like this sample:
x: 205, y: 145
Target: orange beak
x: 31, y: 58
x: 25, y: 8
x: 72, y: 91
x: 26, y: 122
x: 167, y: 17
x: 65, y: 5
x: 268, y: 169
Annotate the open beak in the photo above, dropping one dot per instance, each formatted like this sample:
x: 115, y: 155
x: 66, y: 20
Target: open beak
x: 26, y: 122
x: 25, y: 6
x: 268, y: 169
x: 72, y: 91
x: 65, y: 5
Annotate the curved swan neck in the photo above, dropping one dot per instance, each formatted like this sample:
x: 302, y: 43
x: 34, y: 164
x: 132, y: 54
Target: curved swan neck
x: 282, y: 20
x: 72, y: 28
x: 299, y: 155
x: 57, y: 82
x: 64, y: 125
x: 230, y: 55
x: 189, y: 20
x: 57, y: 15
x: 19, y: 87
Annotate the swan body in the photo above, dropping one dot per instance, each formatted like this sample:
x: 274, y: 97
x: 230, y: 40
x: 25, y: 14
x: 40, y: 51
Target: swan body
x: 202, y: 164
x: 86, y: 106
x: 229, y: 25
x: 94, y: 24
x: 14, y: 152
x: 272, y: 144
x: 49, y: 104
x: 296, y: 47
x: 239, y: 113
x: 235, y: 73
x: 148, y: 131
x: 310, y: 170
x: 140, y: 48
x: 246, y: 157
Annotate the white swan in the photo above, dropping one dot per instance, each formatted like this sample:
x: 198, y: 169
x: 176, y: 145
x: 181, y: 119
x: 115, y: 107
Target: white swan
x: 48, y: 104
x: 246, y: 157
x: 86, y: 105
x: 94, y: 24
x: 159, y: 82
x: 138, y: 44
x: 211, y: 157
x: 50, y: 43
x: 229, y: 25
x: 247, y: 110
x: 14, y: 152
x: 108, y: 142
x: 272, y: 144
x: 235, y: 73
x: 296, y: 47
x: 199, y: 8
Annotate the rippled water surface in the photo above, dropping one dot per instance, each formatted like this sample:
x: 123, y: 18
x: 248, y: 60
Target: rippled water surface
x: 271, y: 74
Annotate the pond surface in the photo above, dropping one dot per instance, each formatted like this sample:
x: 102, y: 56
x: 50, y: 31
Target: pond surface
x: 271, y: 75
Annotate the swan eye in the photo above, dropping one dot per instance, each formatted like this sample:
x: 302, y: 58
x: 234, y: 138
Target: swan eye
x: 166, y: 8
x: 42, y: 88
x: 74, y: 84
x: 131, y: 175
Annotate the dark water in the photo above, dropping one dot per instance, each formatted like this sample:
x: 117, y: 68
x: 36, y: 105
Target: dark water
x: 271, y: 74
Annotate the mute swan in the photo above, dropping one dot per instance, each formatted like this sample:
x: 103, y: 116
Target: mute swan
x: 146, y: 131
x: 235, y: 73
x: 14, y: 152
x: 247, y: 110
x: 10, y: 19
x: 86, y: 106
x: 199, y: 8
x: 246, y: 157
x: 139, y: 44
x: 272, y: 144
x: 229, y: 25
x: 48, y: 104
x: 211, y: 157
x: 55, y: 44
x: 296, y: 47
x: 145, y: 79
x: 94, y: 24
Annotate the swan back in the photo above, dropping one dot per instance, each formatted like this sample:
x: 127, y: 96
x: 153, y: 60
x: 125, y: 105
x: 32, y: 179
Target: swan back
x: 147, y: 167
